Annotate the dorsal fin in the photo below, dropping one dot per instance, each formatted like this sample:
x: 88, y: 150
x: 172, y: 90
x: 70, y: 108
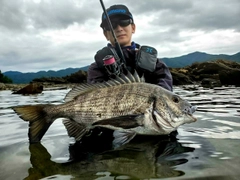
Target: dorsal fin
x: 85, y: 87
x: 137, y: 78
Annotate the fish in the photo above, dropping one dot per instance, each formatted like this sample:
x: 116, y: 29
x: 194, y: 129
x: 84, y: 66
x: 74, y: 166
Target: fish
x: 127, y: 105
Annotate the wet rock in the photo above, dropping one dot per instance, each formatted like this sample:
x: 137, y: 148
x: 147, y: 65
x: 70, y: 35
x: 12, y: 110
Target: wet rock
x: 180, y: 78
x: 209, y: 73
x: 210, y: 83
x: 209, y: 67
x: 2, y: 86
x: 230, y: 77
x: 191, y: 87
x: 32, y: 88
x: 13, y: 87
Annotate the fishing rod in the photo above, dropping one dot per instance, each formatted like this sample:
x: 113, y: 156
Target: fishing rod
x: 117, y: 45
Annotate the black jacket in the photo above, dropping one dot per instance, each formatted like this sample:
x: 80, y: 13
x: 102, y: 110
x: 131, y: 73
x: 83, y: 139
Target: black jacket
x: 160, y: 76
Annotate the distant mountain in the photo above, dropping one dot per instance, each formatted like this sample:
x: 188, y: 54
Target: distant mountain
x: 175, y: 62
x: 188, y: 59
x: 19, y: 77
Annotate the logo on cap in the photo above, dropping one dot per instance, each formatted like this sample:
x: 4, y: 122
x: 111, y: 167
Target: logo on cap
x: 115, y: 11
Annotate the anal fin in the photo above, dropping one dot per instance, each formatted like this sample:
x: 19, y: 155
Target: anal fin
x: 122, y: 137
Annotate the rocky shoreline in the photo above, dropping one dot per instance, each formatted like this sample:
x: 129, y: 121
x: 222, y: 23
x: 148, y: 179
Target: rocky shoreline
x: 46, y: 86
x: 207, y: 74
x: 12, y: 87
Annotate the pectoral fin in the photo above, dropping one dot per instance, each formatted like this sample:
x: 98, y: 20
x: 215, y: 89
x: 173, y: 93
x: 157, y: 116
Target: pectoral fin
x: 121, y: 137
x: 125, y: 122
x: 75, y: 129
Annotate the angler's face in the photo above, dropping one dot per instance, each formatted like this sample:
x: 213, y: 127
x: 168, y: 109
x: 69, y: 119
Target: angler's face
x: 123, y: 33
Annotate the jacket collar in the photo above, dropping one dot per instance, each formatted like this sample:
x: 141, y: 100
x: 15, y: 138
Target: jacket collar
x: 133, y: 46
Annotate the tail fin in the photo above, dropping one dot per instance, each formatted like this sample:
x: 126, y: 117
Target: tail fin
x: 39, y: 122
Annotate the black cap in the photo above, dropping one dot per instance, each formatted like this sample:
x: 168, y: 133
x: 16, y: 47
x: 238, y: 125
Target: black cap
x: 116, y: 11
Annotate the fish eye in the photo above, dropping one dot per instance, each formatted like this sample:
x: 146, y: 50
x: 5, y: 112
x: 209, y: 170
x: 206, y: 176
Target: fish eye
x: 175, y: 99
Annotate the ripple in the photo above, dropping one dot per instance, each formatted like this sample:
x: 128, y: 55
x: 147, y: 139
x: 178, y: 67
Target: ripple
x: 214, y: 137
x: 230, y: 123
x: 219, y: 132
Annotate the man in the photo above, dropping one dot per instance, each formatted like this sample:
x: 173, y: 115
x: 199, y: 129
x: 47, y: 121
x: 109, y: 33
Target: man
x: 140, y: 58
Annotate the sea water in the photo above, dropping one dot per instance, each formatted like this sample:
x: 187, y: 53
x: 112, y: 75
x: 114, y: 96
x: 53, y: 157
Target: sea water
x: 208, y: 148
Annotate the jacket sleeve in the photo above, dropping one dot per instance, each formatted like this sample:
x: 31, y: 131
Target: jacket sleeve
x: 163, y: 75
x: 95, y: 74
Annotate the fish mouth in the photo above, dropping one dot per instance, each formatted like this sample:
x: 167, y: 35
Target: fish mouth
x: 194, y: 119
x: 190, y: 112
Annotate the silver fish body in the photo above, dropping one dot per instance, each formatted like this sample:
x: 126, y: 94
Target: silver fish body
x: 127, y: 105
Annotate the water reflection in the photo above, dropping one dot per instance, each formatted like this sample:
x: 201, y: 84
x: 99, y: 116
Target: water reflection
x: 203, y: 149
x: 143, y: 157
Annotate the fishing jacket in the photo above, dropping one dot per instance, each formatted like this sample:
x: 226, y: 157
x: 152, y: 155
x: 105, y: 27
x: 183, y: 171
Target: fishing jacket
x: 154, y: 70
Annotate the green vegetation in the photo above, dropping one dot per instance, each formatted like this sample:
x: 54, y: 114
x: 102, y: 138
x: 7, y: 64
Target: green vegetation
x: 4, y: 79
x: 77, y: 77
x: 23, y: 78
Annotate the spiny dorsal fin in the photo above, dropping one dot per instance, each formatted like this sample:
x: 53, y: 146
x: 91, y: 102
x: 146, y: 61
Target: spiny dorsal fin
x: 81, y: 89
x: 85, y: 87
x: 125, y: 79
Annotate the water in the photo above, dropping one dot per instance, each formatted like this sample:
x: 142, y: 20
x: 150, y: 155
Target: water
x: 208, y: 148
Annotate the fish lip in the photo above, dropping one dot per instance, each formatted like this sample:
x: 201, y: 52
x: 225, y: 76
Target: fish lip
x: 190, y: 112
x: 192, y: 117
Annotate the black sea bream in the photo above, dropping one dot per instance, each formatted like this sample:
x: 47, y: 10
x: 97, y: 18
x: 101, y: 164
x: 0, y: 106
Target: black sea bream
x: 127, y: 105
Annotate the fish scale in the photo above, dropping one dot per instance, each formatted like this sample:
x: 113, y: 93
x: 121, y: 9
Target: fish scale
x: 120, y: 106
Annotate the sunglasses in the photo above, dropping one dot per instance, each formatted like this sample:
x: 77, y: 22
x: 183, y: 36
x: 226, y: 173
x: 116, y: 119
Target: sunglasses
x: 122, y: 23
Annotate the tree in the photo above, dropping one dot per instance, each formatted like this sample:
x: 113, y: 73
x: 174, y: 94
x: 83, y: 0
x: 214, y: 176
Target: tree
x: 4, y: 79
x: 77, y: 77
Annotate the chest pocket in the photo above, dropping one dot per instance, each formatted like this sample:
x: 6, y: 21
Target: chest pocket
x: 146, y: 58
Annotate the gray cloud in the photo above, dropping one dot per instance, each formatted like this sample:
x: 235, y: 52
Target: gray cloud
x: 57, y: 14
x: 185, y: 14
x: 11, y: 14
x: 25, y: 26
x: 22, y: 14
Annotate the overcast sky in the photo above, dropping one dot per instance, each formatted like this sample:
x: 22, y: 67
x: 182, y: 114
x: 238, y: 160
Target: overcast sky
x: 56, y: 34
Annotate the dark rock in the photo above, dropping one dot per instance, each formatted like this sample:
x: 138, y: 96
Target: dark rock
x: 179, y: 78
x: 230, y: 64
x: 210, y: 83
x: 230, y: 77
x: 209, y: 67
x: 77, y: 77
x: 32, y: 88
x: 212, y: 73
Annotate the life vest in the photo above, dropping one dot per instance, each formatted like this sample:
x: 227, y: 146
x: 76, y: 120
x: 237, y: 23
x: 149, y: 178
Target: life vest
x: 145, y: 58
